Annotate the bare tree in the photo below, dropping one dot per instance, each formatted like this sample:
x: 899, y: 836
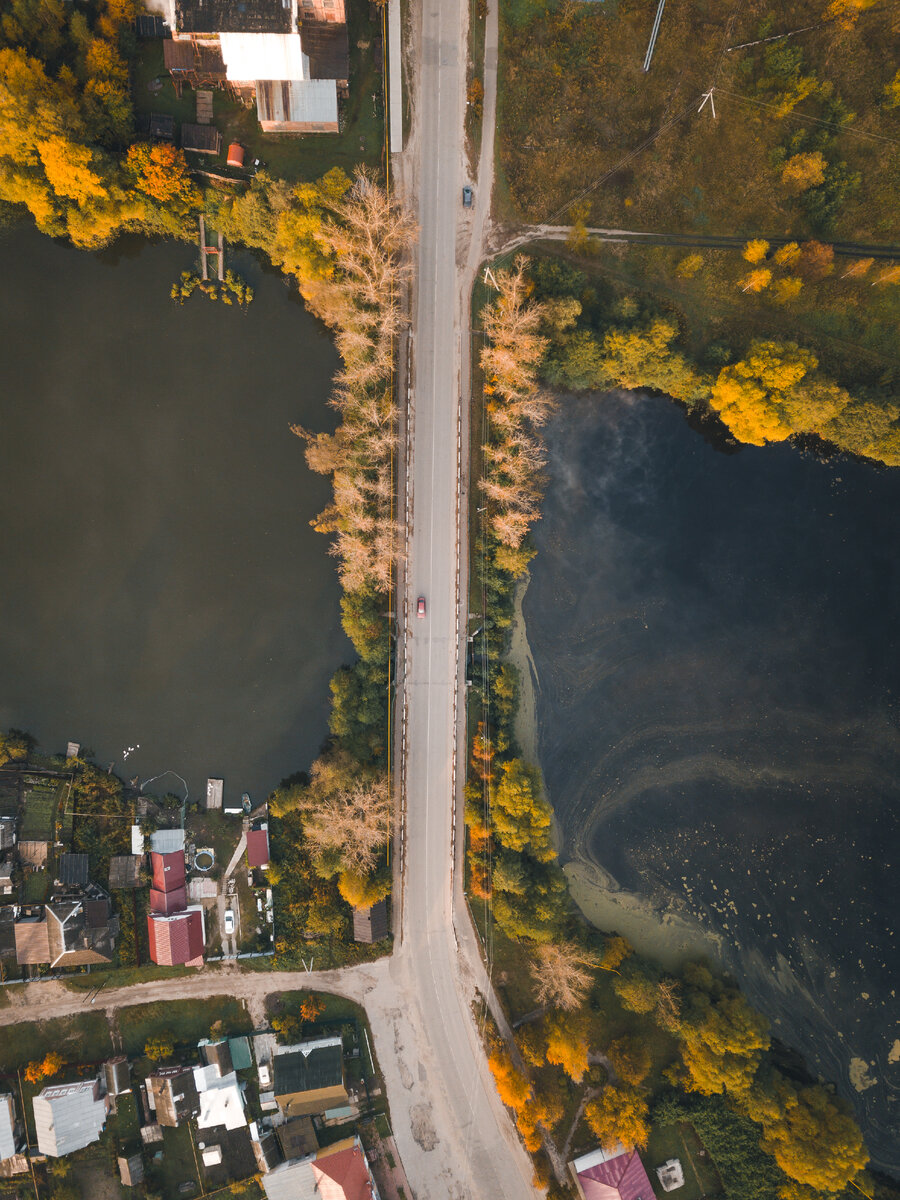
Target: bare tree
x: 353, y: 821
x: 562, y: 975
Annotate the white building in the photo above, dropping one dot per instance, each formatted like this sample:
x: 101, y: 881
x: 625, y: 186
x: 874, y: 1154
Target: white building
x: 69, y: 1116
x: 221, y: 1099
x: 9, y: 1141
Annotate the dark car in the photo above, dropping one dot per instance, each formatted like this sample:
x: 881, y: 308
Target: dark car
x: 468, y: 195
x: 420, y: 607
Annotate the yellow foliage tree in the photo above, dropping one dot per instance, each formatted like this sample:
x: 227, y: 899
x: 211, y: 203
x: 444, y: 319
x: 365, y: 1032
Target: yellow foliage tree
x: 362, y: 891
x: 887, y: 275
x: 803, y: 171
x: 161, y: 172
x: 747, y: 395
x: 69, y: 170
x: 512, y: 1087
x: 787, y: 289
x: 892, y: 92
x: 755, y: 250
x: 619, y: 1116
x: 567, y: 1044
x: 810, y: 1133
x: 723, y: 1038
x: 787, y: 254
x: 757, y: 281
x: 846, y: 12
x: 858, y: 269
x: 689, y: 266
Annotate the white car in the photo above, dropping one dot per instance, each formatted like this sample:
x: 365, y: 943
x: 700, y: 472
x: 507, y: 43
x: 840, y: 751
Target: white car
x: 229, y: 921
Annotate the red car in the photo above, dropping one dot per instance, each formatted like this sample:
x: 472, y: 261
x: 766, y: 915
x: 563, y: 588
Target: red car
x: 420, y: 607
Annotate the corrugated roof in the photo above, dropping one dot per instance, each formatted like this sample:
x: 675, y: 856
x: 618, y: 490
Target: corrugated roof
x: 73, y: 870
x: 68, y: 1117
x: 32, y: 941
x: 291, y: 1181
x: 309, y: 1067
x: 175, y: 939
x: 288, y: 102
x: 222, y: 1105
x: 7, y: 1125
x: 124, y: 871
x: 168, y: 902
x: 250, y: 56
x: 329, y: 51
x: 167, y: 841
x: 168, y: 870
x: 241, y: 1058
x: 344, y: 1175
x: 370, y: 924
x: 257, y: 848
x: 620, y: 1178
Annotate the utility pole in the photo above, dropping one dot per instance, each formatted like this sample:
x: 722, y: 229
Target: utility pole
x: 653, y: 35
x: 712, y: 104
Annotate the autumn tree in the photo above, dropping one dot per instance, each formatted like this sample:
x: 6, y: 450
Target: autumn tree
x: 803, y: 171
x: 636, y: 991
x: 619, y: 1116
x: 46, y: 1067
x: 787, y: 255
x: 846, y: 12
x: 346, y: 814
x: 521, y: 815
x: 615, y: 950
x: 567, y: 1043
x: 562, y: 975
x: 859, y: 268
x: 723, y: 1038
x: 689, y: 266
x: 755, y: 251
x: 760, y: 398
x: 756, y: 281
x: 630, y: 1059
x: 887, y: 275
x: 892, y: 92
x: 810, y: 1133
x: 816, y: 260
x: 787, y: 289
x: 161, y: 171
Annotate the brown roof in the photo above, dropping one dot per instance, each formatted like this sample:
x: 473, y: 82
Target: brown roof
x: 188, y: 56
x: 232, y: 16
x: 32, y: 941
x: 124, y: 871
x: 203, y: 139
x: 329, y: 51
x: 370, y: 924
x: 297, y: 1137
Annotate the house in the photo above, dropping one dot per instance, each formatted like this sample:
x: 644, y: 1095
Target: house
x: 69, y: 1116
x: 258, y: 847
x: 297, y: 1138
x: 173, y: 1094
x: 6, y: 878
x: 616, y: 1174
x: 11, y: 1139
x: 370, y: 924
x: 218, y: 1055
x: 309, y: 1077
x: 221, y: 1099
x: 167, y: 841
x: 339, y: 1172
x: 266, y: 1149
x: 67, y: 933
x: 167, y: 887
x: 72, y: 871
x: 125, y: 871
x: 117, y: 1075
x: 131, y: 1170
x: 177, y: 939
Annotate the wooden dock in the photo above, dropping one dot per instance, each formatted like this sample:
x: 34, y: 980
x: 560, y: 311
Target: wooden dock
x: 207, y: 250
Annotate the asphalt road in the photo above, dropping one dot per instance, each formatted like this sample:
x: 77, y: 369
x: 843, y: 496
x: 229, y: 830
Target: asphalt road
x: 455, y: 1138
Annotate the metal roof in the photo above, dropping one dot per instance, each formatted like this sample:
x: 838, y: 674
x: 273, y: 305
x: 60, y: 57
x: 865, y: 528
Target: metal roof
x: 7, y: 1125
x: 69, y: 1116
x: 291, y: 1181
x: 73, y: 870
x: 309, y: 1067
x: 257, y: 848
x: 291, y: 102
x: 250, y: 56
x: 167, y: 841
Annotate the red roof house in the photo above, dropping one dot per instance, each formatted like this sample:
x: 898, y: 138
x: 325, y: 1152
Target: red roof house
x: 177, y: 939
x: 168, y: 902
x: 258, y: 847
x: 341, y: 1172
x: 615, y: 1175
x: 168, y: 871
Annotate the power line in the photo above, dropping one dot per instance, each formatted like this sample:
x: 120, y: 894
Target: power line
x: 798, y: 116
x: 623, y: 162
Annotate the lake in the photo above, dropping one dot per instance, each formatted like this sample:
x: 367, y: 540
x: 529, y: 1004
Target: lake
x: 164, y: 599
x: 715, y: 642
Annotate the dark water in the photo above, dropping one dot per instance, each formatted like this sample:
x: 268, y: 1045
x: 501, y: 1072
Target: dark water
x: 161, y: 586
x: 716, y: 638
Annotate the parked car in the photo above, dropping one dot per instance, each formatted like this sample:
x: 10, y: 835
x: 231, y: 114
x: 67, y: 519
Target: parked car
x: 468, y: 196
x: 229, y: 921
x: 420, y: 607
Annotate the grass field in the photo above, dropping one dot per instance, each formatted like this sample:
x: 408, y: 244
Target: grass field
x: 183, y: 1021
x: 40, y: 809
x: 701, y: 1179
x: 81, y: 1039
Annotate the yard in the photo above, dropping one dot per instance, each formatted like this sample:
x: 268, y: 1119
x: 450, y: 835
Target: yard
x: 81, y: 1039
x: 185, y: 1022
x: 41, y: 796
x: 287, y: 156
x: 701, y: 1179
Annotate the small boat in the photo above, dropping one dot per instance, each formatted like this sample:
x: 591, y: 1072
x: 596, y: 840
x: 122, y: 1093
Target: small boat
x: 245, y: 801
